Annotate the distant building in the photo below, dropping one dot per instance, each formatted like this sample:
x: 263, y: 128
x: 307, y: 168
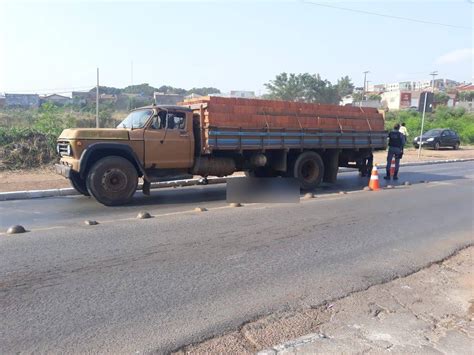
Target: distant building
x: 420, y: 85
x: 167, y: 99
x: 465, y: 87
x: 242, y: 94
x: 347, y: 100
x: 367, y: 103
x: 107, y: 98
x: 396, y: 100
x: 82, y: 97
x: 56, y: 99
x: 193, y: 96
x: 376, y: 89
x: 22, y: 100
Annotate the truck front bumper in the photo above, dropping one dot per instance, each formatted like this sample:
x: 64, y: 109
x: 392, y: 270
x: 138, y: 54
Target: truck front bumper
x: 63, y: 170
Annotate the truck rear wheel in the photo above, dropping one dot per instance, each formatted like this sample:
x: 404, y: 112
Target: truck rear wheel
x: 112, y: 181
x: 78, y: 183
x: 308, y: 170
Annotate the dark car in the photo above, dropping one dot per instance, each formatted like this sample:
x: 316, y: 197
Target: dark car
x: 438, y: 138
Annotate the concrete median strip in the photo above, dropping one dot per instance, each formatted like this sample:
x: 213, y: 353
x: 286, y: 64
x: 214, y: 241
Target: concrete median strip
x: 30, y: 194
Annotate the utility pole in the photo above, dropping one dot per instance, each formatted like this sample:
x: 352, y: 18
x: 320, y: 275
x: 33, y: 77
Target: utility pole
x: 131, y: 72
x: 433, y: 74
x: 420, y: 140
x: 97, y: 101
x: 363, y: 91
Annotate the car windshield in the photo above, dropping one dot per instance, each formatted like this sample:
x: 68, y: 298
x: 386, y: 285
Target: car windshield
x: 136, y: 119
x: 432, y: 133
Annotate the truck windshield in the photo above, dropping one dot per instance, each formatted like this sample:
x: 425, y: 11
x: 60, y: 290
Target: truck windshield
x: 136, y: 119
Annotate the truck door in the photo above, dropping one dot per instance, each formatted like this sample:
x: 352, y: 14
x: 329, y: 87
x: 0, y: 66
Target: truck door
x: 168, y: 141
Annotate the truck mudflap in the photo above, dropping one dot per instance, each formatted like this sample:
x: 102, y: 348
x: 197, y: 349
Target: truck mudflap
x: 63, y: 170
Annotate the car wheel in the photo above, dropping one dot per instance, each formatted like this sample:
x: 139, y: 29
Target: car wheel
x: 309, y: 170
x: 78, y: 183
x: 112, y: 181
x: 436, y: 146
x: 416, y: 146
x: 456, y: 146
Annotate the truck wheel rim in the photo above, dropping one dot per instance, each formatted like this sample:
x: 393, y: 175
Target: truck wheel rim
x: 114, y: 180
x: 309, y: 170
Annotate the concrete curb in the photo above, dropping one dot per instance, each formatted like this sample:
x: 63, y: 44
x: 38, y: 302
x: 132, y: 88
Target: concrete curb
x: 292, y: 345
x: 415, y: 163
x: 30, y: 194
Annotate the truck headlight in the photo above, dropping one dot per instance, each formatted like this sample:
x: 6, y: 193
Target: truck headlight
x: 430, y: 140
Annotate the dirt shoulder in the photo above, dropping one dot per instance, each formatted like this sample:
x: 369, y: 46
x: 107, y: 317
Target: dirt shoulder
x: 411, y: 155
x: 46, y: 178
x: 430, y: 311
x: 37, y: 179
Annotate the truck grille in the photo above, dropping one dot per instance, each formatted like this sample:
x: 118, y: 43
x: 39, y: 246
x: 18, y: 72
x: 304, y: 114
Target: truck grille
x: 63, y: 148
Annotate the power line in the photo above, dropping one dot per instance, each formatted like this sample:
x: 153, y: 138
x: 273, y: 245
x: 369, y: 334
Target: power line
x: 388, y: 16
x: 49, y: 91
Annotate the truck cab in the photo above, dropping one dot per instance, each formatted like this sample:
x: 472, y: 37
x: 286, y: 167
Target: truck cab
x: 152, y: 142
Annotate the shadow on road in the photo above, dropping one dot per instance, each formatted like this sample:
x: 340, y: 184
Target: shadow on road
x: 347, y: 182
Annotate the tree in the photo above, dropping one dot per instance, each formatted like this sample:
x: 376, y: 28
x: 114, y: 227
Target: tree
x: 375, y: 97
x: 286, y: 87
x: 344, y: 86
x: 302, y: 87
x: 166, y: 89
x: 142, y: 89
x: 319, y: 90
x: 441, y: 98
x: 466, y: 96
x: 357, y: 96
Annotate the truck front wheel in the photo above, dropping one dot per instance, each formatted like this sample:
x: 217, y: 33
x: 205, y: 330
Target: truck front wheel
x: 308, y: 170
x: 78, y: 183
x: 112, y: 181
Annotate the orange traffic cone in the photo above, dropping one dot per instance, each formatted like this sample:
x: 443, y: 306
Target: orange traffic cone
x: 374, y: 179
x: 392, y: 167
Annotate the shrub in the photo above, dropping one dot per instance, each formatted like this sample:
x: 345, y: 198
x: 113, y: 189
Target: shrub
x: 444, y: 117
x: 25, y: 148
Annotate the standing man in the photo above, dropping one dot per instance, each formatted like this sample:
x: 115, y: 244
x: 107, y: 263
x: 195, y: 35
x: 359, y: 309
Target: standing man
x: 404, y: 131
x: 396, y: 141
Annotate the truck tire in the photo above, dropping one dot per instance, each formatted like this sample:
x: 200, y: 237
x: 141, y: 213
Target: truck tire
x: 78, y: 183
x: 308, y: 170
x: 112, y: 181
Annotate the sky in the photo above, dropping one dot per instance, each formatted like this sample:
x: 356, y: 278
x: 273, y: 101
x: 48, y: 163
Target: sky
x: 56, y: 46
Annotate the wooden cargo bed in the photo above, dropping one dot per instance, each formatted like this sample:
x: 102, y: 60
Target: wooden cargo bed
x: 241, y: 124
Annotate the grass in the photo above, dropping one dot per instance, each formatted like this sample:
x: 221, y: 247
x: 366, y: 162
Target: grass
x: 457, y: 119
x: 28, y: 137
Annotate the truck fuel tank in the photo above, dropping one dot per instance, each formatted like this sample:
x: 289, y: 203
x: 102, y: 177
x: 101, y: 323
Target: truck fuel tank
x: 216, y: 166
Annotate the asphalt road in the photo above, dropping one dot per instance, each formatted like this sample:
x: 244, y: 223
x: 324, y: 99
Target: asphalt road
x: 130, y: 285
x: 73, y: 210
